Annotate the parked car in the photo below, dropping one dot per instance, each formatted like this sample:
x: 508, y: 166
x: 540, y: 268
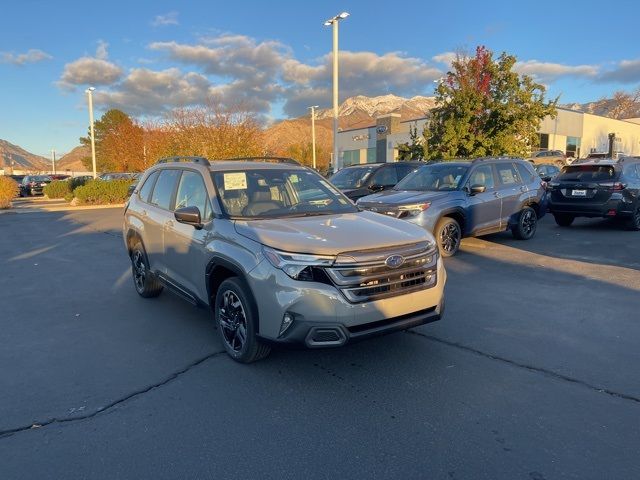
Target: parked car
x: 33, y: 184
x: 17, y: 178
x: 547, y: 171
x: 117, y: 176
x: 466, y: 198
x: 238, y: 237
x: 601, y: 188
x: 555, y: 157
x: 357, y: 181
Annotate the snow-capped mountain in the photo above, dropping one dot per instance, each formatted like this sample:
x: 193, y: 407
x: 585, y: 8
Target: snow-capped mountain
x: 376, y: 106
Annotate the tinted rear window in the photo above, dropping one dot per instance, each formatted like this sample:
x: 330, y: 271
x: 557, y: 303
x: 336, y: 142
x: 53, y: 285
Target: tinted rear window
x: 588, y: 173
x: 164, y: 188
x: 148, y: 185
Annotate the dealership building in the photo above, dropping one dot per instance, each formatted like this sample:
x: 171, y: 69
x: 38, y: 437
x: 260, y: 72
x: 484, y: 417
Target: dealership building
x: 575, y: 133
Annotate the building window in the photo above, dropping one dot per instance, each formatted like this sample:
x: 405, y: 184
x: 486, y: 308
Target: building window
x: 371, y: 155
x: 350, y: 157
x: 573, y: 147
x: 543, y: 141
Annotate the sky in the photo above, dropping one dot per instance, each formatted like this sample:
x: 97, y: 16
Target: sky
x: 274, y: 56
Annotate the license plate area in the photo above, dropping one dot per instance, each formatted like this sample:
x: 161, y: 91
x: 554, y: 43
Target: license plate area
x: 578, y: 193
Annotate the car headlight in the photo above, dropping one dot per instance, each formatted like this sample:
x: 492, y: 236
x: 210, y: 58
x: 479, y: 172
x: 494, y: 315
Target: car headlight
x: 297, y: 265
x: 413, y: 209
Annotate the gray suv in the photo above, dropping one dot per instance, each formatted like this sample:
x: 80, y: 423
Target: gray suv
x: 278, y: 254
x: 466, y: 198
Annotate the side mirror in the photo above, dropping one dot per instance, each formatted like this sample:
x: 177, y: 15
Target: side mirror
x: 376, y: 187
x: 477, y: 189
x: 189, y: 216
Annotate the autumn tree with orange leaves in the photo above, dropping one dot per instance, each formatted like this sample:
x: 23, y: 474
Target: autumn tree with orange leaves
x: 484, y: 107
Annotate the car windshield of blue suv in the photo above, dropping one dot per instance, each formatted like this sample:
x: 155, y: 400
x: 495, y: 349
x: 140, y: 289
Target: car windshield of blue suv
x: 349, y: 178
x: 276, y: 193
x: 440, y: 177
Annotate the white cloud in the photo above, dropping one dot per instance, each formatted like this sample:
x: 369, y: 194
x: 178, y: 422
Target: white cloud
x: 170, y: 18
x: 32, y: 55
x: 546, y: 71
x: 626, y: 71
x: 446, y: 58
x: 90, y: 70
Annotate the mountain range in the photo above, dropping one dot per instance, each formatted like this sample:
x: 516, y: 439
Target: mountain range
x: 355, y: 112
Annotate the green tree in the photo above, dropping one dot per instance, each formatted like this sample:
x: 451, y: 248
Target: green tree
x: 485, y: 108
x: 109, y: 124
x: 414, y: 149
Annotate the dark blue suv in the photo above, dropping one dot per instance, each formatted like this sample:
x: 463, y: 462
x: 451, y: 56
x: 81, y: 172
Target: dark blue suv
x: 466, y: 198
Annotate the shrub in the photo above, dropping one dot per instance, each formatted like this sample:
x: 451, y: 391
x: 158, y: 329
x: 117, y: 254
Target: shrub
x: 8, y: 190
x: 57, y: 189
x: 99, y: 192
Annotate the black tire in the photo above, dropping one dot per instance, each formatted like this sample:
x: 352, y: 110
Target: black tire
x: 564, y: 220
x: 237, y: 319
x: 448, y: 235
x: 634, y: 222
x: 527, y: 224
x: 146, y: 284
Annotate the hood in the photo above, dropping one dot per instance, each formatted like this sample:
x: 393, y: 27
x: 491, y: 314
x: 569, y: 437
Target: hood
x: 332, y: 234
x: 401, y: 197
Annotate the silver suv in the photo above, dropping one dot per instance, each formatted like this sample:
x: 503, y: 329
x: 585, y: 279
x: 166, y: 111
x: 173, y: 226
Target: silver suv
x: 278, y: 254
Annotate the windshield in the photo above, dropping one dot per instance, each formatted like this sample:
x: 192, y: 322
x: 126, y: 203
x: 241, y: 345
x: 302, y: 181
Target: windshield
x: 349, y: 178
x: 278, y: 193
x: 40, y: 178
x: 587, y: 173
x: 440, y: 177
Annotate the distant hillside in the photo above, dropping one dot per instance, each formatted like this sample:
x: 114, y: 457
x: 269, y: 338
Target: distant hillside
x: 354, y: 112
x: 73, y: 160
x: 606, y: 107
x: 13, y: 155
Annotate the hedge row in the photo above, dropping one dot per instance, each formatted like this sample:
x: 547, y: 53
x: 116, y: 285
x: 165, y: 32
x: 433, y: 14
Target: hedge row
x: 99, y: 192
x: 8, y: 190
x: 63, y: 188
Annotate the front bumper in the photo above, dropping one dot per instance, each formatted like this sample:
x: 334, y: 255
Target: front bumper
x: 324, y: 318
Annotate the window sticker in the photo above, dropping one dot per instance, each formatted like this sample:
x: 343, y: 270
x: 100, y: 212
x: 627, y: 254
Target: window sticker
x: 235, y: 181
x: 294, y: 178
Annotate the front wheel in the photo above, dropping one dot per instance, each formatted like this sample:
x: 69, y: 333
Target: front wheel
x: 448, y: 235
x: 563, y: 220
x: 236, y: 318
x: 527, y: 224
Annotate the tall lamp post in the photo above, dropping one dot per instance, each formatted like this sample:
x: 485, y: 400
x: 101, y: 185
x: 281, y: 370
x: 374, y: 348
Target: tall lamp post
x: 53, y: 159
x: 334, y: 21
x: 313, y: 133
x: 89, y: 92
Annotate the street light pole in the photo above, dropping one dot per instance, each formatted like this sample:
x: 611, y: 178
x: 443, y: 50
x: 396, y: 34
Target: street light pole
x: 334, y: 22
x: 53, y: 159
x: 313, y: 133
x: 89, y: 92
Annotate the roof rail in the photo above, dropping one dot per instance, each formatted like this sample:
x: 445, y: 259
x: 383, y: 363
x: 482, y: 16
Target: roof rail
x: 261, y: 159
x: 497, y: 157
x: 179, y: 159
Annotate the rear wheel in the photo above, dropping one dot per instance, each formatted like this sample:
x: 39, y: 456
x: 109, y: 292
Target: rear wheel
x: 563, y: 220
x: 236, y: 318
x: 147, y: 285
x: 527, y: 224
x: 448, y: 235
x: 634, y: 222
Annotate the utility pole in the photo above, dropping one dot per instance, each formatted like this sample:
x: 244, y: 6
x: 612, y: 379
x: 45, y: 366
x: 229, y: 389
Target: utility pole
x: 334, y: 22
x: 53, y: 159
x: 313, y: 133
x: 89, y: 92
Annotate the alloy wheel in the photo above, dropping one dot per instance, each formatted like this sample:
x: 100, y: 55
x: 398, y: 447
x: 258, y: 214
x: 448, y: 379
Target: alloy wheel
x: 139, y: 270
x: 450, y: 237
x: 233, y: 320
x: 528, y: 222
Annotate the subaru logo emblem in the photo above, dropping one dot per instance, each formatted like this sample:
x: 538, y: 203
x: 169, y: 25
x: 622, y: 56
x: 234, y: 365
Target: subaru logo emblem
x: 394, y: 261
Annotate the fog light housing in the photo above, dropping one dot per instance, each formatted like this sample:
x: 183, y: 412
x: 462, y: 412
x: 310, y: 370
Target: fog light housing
x: 287, y: 321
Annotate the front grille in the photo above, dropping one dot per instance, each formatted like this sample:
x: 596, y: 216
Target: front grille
x: 365, y: 276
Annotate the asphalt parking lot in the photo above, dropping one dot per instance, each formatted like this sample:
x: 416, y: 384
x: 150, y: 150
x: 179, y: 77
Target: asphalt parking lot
x: 534, y: 373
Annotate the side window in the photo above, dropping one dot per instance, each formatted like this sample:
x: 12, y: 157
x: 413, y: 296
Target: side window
x: 402, y: 170
x: 526, y: 172
x: 507, y: 174
x: 164, y: 188
x: 385, y: 176
x: 147, y: 187
x: 483, y: 175
x: 192, y: 192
